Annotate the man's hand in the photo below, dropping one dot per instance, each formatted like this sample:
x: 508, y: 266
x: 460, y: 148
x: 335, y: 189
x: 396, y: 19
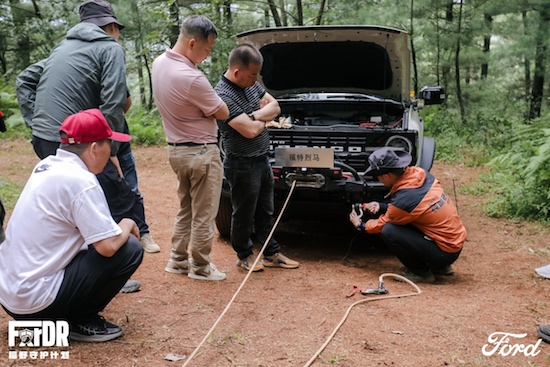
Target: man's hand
x: 129, y: 225
x: 354, y: 218
x: 373, y: 207
x: 116, y: 163
x: 109, y: 246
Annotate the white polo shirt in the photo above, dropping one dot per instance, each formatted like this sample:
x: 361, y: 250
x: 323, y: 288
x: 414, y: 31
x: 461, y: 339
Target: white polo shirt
x: 61, y: 210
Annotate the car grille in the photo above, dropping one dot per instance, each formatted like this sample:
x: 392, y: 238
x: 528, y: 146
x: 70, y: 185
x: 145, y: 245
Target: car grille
x: 351, y: 147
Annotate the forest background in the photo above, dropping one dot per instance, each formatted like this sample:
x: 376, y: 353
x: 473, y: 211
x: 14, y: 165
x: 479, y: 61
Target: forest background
x: 491, y: 56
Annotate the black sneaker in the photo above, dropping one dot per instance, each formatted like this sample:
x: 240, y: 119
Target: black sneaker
x: 544, y: 332
x: 94, y: 330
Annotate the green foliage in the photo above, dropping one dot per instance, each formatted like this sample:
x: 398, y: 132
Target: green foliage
x: 15, y: 127
x: 145, y: 127
x: 523, y: 181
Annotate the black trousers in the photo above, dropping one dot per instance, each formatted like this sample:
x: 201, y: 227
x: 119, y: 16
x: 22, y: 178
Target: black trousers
x: 91, y: 281
x: 415, y: 250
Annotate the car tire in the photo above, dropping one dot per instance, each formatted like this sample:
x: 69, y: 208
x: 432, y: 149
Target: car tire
x: 428, y: 153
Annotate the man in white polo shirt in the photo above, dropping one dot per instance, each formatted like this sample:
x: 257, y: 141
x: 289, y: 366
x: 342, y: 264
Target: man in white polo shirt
x: 64, y: 256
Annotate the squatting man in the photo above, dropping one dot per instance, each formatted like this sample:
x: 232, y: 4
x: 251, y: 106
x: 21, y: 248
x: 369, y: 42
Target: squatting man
x: 420, y: 224
x: 64, y: 257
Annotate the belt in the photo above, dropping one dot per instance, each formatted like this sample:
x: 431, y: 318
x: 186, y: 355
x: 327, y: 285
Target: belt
x: 247, y: 159
x: 190, y: 144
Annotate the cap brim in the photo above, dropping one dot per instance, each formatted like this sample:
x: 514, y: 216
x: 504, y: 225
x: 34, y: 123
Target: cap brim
x: 103, y: 21
x: 377, y: 172
x: 123, y: 138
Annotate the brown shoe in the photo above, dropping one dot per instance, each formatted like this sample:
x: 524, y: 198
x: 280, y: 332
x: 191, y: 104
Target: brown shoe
x: 279, y: 260
x: 248, y: 262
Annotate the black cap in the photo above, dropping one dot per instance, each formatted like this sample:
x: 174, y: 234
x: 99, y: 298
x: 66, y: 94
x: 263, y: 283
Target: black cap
x: 386, y: 159
x: 98, y: 12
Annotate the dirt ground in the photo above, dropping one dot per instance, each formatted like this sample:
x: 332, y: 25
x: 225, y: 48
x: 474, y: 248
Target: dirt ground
x: 282, y: 317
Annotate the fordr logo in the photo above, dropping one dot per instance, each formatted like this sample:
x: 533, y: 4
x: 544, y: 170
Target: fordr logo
x: 38, y: 333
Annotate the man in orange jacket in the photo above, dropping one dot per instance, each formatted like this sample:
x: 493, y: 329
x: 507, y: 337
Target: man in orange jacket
x: 420, y: 224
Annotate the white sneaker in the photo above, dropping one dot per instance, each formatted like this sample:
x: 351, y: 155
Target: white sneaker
x: 177, y: 267
x: 210, y: 273
x: 544, y: 271
x: 149, y: 244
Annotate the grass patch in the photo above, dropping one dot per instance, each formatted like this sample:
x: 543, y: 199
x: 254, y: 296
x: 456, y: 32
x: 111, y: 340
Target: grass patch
x: 9, y: 192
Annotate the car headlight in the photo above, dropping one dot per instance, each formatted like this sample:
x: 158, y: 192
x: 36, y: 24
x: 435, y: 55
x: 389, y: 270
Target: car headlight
x: 398, y: 141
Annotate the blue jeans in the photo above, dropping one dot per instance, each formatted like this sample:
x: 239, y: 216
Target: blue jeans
x: 128, y: 166
x: 415, y: 250
x: 251, y: 183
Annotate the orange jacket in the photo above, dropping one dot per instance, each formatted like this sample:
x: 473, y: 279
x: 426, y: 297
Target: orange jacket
x: 417, y: 198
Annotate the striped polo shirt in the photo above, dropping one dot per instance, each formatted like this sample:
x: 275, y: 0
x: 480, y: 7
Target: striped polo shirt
x: 241, y: 101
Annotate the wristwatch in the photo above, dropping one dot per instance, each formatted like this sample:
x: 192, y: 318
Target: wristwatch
x: 251, y: 115
x: 361, y: 227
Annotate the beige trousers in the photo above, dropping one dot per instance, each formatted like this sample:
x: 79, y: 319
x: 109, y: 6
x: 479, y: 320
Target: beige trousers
x: 200, y: 172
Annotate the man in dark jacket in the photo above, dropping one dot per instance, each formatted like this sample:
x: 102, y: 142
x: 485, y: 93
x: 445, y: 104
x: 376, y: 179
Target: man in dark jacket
x: 420, y: 224
x: 89, y: 68
x: 86, y: 70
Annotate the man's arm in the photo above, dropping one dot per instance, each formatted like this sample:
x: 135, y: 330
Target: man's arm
x: 247, y: 127
x: 250, y: 128
x: 109, y: 246
x: 269, y: 109
x: 114, y: 92
x: 222, y: 113
x: 25, y: 86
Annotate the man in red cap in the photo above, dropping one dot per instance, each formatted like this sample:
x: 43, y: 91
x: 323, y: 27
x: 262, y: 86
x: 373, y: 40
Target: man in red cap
x: 420, y: 224
x: 64, y: 256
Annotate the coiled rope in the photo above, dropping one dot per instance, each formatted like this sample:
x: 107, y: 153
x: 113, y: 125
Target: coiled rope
x: 381, y: 279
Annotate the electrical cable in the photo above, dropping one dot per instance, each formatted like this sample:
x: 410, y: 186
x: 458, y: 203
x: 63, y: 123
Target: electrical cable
x: 245, y: 278
x: 381, y: 278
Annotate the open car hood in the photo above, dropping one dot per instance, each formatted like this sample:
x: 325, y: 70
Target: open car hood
x: 334, y: 59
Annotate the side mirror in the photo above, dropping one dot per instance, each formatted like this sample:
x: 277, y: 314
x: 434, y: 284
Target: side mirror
x: 432, y: 95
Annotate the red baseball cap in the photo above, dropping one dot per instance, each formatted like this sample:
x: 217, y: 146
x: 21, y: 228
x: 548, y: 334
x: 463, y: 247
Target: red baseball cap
x: 88, y: 126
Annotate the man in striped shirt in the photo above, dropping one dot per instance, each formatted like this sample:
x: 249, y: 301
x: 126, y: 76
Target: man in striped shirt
x: 246, y: 166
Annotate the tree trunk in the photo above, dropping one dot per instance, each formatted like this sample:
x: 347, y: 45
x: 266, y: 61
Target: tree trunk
x: 175, y: 23
x: 413, y: 52
x: 274, y: 12
x: 457, y: 66
x: 227, y: 13
x: 321, y: 12
x: 486, y: 46
x: 282, y: 8
x: 526, y: 61
x: 138, y: 45
x: 446, y: 51
x: 22, y: 50
x: 300, y: 10
x: 148, y: 68
x: 540, y: 63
